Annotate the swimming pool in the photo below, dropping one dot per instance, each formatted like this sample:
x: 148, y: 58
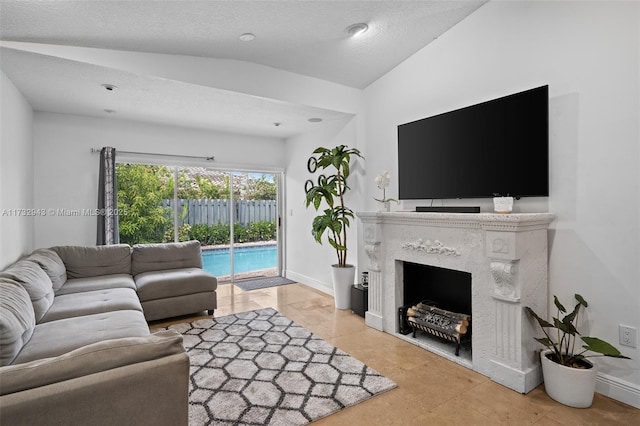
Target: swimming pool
x: 245, y: 259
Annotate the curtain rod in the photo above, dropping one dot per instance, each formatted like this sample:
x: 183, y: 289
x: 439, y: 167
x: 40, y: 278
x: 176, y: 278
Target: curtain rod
x: 211, y: 158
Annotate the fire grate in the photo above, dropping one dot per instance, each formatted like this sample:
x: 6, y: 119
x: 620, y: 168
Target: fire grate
x: 426, y: 317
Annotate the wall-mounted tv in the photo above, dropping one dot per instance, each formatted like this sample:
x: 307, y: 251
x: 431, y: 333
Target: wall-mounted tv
x: 496, y: 147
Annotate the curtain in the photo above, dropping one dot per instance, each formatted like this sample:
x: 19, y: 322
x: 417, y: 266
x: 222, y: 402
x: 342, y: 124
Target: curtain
x: 108, y: 232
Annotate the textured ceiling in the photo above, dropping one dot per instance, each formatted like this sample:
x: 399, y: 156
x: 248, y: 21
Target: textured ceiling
x: 303, y: 37
x: 70, y: 87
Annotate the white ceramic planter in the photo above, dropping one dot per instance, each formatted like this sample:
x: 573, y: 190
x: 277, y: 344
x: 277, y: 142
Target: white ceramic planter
x: 343, y: 279
x: 503, y: 205
x: 570, y: 386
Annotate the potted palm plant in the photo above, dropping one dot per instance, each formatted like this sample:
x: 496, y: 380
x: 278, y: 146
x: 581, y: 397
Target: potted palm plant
x: 569, y: 377
x: 336, y: 217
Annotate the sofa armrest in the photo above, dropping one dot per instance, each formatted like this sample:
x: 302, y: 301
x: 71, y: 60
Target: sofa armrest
x: 120, y: 381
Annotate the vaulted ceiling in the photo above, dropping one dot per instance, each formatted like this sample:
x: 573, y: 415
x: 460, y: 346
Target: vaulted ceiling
x: 307, y: 38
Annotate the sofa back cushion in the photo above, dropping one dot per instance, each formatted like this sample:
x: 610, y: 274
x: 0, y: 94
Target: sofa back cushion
x: 17, y: 319
x: 92, y: 261
x: 37, y: 283
x: 158, y: 257
x: 52, y: 265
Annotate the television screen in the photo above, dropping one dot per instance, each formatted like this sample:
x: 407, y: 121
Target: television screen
x: 498, y: 147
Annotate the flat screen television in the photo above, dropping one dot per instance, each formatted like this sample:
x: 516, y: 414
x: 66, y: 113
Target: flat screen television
x: 498, y: 147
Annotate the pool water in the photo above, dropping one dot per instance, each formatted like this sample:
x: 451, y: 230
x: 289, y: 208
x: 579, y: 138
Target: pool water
x: 246, y: 259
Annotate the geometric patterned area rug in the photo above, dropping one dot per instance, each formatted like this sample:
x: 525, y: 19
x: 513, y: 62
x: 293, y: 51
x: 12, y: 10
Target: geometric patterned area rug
x: 261, y: 368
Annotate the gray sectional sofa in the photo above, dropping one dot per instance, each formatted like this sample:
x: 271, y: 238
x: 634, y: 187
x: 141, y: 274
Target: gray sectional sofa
x: 75, y: 346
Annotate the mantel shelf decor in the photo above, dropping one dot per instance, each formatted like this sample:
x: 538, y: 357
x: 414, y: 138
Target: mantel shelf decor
x: 435, y: 247
x: 382, y: 182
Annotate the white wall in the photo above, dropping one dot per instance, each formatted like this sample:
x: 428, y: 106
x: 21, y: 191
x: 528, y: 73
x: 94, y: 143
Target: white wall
x: 588, y: 54
x: 16, y: 174
x: 307, y: 261
x: 66, y: 172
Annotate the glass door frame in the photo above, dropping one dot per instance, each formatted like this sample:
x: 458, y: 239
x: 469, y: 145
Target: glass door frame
x: 175, y: 163
x: 279, y: 175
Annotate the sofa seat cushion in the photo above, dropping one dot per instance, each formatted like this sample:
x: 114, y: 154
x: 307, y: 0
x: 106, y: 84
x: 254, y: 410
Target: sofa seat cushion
x: 158, y: 309
x: 17, y: 319
x: 156, y: 257
x: 37, y: 283
x: 90, y: 359
x: 51, y: 264
x: 55, y: 338
x: 77, y: 285
x: 91, y: 261
x: 174, y: 282
x: 92, y: 302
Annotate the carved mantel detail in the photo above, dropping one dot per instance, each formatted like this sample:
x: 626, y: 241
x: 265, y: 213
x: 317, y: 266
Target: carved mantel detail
x: 505, y: 280
x: 371, y: 233
x: 435, y: 247
x: 372, y: 253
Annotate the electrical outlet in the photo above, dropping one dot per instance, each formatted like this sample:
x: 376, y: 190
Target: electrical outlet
x: 627, y: 335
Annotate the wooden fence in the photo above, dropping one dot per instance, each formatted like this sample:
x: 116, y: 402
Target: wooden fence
x: 213, y: 212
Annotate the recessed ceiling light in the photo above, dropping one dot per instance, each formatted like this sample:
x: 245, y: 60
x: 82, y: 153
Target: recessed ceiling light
x: 357, y: 29
x: 110, y: 87
x: 315, y: 120
x: 247, y: 37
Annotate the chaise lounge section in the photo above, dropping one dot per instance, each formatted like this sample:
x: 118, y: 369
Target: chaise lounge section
x: 170, y: 280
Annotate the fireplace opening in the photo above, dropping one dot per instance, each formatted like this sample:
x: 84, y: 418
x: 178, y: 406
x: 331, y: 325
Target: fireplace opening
x: 436, y: 302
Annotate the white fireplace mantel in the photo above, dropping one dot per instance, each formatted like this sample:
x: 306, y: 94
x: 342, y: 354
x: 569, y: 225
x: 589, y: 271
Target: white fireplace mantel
x: 507, y: 258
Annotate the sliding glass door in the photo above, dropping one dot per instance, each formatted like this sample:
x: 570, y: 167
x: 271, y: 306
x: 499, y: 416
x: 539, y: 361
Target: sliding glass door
x: 255, y: 231
x: 233, y: 214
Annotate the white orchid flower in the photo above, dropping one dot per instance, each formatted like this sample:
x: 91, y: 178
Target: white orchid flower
x: 383, y: 179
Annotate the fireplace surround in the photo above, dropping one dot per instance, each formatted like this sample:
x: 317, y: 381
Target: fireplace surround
x: 507, y: 257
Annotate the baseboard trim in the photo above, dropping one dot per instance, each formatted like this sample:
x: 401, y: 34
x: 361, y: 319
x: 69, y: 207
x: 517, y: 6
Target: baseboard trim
x: 311, y: 282
x: 522, y: 381
x: 618, y: 389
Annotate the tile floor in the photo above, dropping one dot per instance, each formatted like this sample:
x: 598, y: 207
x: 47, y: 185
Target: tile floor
x: 431, y: 390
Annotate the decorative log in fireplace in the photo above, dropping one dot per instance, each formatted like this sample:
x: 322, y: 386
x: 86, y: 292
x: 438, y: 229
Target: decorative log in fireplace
x: 451, y: 326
